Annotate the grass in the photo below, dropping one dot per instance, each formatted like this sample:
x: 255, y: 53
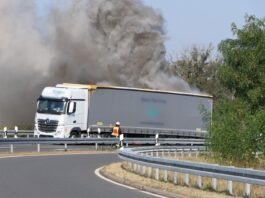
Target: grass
x: 125, y: 175
x: 238, y: 188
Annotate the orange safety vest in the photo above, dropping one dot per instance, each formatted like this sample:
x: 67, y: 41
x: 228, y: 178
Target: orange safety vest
x: 115, y: 131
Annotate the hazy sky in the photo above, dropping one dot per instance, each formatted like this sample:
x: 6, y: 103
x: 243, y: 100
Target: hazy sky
x: 201, y: 22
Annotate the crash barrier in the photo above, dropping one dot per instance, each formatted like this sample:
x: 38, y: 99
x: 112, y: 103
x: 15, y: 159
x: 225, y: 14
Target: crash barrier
x: 152, y: 131
x: 101, y: 131
x: 16, y: 133
x: 96, y: 141
x: 148, y: 158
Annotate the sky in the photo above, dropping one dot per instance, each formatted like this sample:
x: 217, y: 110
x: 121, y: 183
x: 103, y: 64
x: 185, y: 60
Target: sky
x: 189, y: 22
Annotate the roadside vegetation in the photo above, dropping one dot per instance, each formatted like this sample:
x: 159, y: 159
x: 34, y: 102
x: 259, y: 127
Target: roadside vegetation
x: 122, y: 173
x: 236, y: 79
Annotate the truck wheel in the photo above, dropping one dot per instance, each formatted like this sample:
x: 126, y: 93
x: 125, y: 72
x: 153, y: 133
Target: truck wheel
x: 74, y: 134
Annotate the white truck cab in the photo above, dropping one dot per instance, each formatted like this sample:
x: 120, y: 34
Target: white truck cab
x: 62, y: 112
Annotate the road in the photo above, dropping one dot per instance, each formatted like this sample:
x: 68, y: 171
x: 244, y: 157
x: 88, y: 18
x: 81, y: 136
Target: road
x: 18, y: 148
x: 65, y: 176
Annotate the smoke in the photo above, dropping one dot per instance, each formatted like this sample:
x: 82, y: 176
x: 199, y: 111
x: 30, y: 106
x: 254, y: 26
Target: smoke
x: 85, y: 41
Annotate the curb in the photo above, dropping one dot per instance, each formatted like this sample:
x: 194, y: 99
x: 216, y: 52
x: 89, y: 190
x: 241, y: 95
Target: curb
x: 132, y: 185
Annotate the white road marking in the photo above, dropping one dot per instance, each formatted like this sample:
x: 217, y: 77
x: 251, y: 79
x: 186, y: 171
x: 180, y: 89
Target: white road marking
x: 97, y: 172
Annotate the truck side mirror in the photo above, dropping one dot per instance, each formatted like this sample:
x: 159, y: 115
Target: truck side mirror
x: 71, y: 107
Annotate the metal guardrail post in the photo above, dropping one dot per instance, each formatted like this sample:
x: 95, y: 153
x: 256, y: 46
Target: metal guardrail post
x: 157, y: 169
x: 247, y: 190
x: 38, y: 148
x: 230, y: 187
x: 16, y: 132
x: 65, y: 147
x: 187, y: 179
x: 175, y: 178
x: 157, y: 139
x: 143, y: 170
x: 149, y: 172
x: 214, y: 184
x: 157, y: 173
x: 99, y: 131
x: 130, y: 165
x: 88, y: 133
x: 121, y: 141
x: 199, y: 181
x: 134, y: 167
x: 11, y: 148
x: 5, y: 132
x: 165, y: 175
x: 150, y: 168
x: 139, y: 169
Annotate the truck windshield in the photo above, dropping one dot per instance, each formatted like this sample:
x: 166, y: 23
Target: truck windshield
x: 51, y: 106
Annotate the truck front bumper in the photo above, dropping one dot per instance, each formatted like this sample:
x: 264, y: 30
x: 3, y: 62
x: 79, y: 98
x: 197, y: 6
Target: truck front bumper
x: 59, y: 133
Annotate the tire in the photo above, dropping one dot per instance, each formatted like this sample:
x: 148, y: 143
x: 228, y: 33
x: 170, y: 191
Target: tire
x: 75, y: 134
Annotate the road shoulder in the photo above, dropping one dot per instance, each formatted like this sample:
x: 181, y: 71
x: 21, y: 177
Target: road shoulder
x: 117, y: 173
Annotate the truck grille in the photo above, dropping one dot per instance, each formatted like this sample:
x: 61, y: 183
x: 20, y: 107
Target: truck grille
x: 47, y: 125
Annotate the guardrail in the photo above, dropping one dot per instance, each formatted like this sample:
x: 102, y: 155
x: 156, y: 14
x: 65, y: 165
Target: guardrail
x: 153, y: 131
x: 149, y: 157
x: 97, y: 141
x: 100, y: 130
x: 7, y: 132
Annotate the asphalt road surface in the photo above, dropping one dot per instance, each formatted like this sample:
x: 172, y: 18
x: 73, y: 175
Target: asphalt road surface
x: 18, y: 148
x: 66, y: 176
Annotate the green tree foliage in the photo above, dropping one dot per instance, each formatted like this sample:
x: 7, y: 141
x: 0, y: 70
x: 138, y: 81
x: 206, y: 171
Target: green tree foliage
x: 236, y: 134
x: 238, y: 129
x: 243, y: 71
x: 199, y: 69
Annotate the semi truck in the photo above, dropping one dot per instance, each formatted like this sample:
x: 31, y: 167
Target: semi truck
x: 77, y: 110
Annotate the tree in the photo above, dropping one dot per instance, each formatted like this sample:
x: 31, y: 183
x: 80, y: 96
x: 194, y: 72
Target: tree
x: 243, y: 71
x: 236, y: 134
x: 238, y: 129
x: 199, y: 69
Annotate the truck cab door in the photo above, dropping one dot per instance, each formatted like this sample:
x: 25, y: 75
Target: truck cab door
x: 76, y: 117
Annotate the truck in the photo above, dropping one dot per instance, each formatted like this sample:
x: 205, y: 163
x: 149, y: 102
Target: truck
x: 77, y: 110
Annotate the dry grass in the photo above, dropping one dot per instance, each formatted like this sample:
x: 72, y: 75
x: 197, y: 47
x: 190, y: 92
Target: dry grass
x: 205, y: 157
x: 127, y: 176
x: 238, y: 188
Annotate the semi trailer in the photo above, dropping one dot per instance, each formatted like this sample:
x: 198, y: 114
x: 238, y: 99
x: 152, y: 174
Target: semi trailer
x: 75, y: 110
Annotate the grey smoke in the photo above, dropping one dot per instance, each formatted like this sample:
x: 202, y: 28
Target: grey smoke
x: 118, y: 42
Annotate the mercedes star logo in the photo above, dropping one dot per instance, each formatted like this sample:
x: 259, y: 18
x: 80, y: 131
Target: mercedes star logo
x: 47, y: 121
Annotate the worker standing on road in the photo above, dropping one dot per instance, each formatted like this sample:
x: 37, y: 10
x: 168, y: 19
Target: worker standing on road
x: 116, y: 131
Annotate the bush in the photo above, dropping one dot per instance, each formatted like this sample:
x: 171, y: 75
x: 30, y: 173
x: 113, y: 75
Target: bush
x: 236, y: 134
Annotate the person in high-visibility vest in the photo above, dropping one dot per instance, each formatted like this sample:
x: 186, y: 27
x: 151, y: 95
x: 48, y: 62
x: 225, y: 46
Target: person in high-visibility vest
x: 116, y: 131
